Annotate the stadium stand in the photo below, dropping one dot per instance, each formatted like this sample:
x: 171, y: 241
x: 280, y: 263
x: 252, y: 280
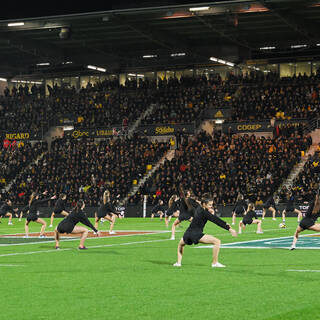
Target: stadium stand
x: 225, y: 165
x: 84, y: 168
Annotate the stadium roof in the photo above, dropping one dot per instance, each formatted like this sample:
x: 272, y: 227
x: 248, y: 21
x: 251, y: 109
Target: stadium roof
x: 179, y: 35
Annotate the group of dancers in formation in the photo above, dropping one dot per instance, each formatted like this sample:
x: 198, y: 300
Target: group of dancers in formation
x: 199, y: 211
x: 68, y: 225
x: 185, y: 207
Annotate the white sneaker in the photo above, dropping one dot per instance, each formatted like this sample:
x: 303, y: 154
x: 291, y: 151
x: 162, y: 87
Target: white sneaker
x: 177, y: 264
x: 274, y: 219
x: 173, y: 238
x: 262, y: 218
x: 50, y: 226
x: 233, y: 223
x: 112, y: 232
x: 42, y: 236
x: 292, y: 247
x: 10, y: 223
x: 259, y: 232
x: 20, y: 219
x: 26, y: 236
x: 218, y: 265
x: 240, y: 232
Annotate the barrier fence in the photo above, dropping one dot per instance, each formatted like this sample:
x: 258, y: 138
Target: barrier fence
x: 136, y: 211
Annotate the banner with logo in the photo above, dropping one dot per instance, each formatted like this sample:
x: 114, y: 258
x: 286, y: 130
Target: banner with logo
x: 94, y: 133
x: 166, y: 129
x: 294, y: 122
x: 21, y: 135
x: 259, y: 126
x: 252, y: 126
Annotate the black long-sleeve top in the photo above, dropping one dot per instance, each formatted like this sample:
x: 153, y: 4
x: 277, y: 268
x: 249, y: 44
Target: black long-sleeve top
x: 240, y: 205
x: 309, y: 214
x: 158, y: 208
x: 6, y: 208
x: 106, y: 208
x: 34, y: 207
x: 79, y: 216
x: 270, y: 203
x: 60, y: 204
x: 251, y: 214
x: 174, y: 207
x: 200, y: 219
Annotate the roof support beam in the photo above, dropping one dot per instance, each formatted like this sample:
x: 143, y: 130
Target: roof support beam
x: 295, y: 23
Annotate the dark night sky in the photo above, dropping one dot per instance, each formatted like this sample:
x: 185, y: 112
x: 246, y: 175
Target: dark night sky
x: 50, y: 8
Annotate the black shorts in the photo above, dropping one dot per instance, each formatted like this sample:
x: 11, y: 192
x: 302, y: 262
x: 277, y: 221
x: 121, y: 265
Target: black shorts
x: 57, y: 210
x: 102, y: 214
x: 289, y: 209
x: 306, y: 223
x: 184, y: 215
x: 247, y: 221
x: 239, y: 211
x: 32, y: 217
x: 65, y: 227
x: 157, y: 213
x: 192, y: 237
x: 267, y: 206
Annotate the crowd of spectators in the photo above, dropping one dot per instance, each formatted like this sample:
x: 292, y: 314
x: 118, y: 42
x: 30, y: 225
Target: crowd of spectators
x: 254, y: 96
x: 307, y: 183
x: 15, y: 157
x: 183, y: 101
x: 225, y: 166
x: 85, y: 168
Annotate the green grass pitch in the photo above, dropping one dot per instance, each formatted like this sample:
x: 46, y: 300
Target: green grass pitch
x: 132, y: 277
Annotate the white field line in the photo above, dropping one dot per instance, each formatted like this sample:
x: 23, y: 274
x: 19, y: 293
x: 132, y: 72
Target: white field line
x: 90, y: 231
x: 291, y: 270
x: 231, y: 244
x: 93, y: 247
x: 12, y: 265
x: 76, y: 239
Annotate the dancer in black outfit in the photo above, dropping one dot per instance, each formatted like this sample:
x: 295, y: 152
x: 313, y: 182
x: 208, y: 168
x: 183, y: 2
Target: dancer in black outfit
x: 239, y: 208
x: 69, y: 225
x: 59, y: 208
x: 6, y: 210
x: 290, y: 208
x: 270, y: 205
x: 309, y: 221
x: 106, y: 211
x: 33, y: 215
x: 186, y: 210
x: 173, y: 209
x: 250, y: 217
x: 194, y: 234
x: 158, y: 209
x: 23, y: 211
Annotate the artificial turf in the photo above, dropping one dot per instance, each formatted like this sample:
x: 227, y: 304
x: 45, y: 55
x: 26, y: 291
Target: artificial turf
x: 132, y: 277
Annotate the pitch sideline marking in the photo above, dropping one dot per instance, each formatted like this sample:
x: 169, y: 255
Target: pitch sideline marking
x: 93, y: 247
x: 230, y: 244
x: 291, y: 270
x: 64, y: 239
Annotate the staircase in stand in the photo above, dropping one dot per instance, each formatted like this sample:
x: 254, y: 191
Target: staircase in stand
x: 138, y: 121
x: 8, y: 186
x: 168, y: 156
x: 299, y: 166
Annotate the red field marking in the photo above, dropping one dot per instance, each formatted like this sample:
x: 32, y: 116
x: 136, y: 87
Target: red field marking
x: 90, y: 235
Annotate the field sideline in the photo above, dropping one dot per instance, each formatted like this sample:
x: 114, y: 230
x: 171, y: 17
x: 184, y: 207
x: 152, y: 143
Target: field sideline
x: 132, y: 277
